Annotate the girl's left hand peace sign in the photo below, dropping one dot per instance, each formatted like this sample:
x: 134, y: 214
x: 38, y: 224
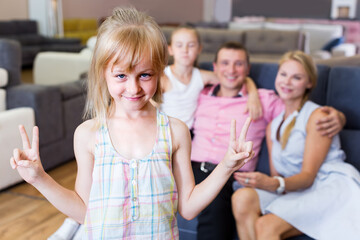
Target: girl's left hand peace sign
x: 239, y: 151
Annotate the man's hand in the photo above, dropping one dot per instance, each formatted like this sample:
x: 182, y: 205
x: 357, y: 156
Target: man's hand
x: 332, y: 124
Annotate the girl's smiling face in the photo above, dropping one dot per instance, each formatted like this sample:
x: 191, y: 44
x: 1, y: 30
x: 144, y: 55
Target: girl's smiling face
x: 132, y: 89
x: 292, y: 81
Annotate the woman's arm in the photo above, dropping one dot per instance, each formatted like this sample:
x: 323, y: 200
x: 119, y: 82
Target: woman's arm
x: 194, y: 198
x: 316, y: 149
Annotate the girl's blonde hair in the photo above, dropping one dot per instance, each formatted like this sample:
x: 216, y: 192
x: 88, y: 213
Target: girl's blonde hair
x: 129, y: 36
x: 310, y: 68
x: 187, y: 27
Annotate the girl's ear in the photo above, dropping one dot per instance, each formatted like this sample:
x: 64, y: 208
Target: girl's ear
x: 170, y: 50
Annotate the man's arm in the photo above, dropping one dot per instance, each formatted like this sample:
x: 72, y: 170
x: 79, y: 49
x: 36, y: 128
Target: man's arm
x: 332, y: 123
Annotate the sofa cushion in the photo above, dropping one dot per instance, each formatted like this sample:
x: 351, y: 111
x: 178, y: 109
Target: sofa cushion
x: 7, y: 28
x: 318, y: 94
x: 87, y: 24
x: 212, y: 39
x: 320, y: 34
x: 245, y: 25
x: 350, y: 144
x: 333, y: 43
x: 26, y: 26
x: 343, y: 98
x: 272, y: 41
x: 282, y: 26
x: 30, y: 39
x: 3, y: 77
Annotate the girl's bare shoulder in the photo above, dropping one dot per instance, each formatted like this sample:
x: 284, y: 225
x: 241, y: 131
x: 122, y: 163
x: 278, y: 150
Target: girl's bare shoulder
x: 86, y: 130
x: 179, y: 131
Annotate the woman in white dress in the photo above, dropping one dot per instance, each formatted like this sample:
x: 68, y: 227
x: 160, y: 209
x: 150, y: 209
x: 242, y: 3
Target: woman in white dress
x: 311, y: 189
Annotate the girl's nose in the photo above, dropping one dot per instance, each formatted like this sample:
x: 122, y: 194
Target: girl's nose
x: 133, y: 86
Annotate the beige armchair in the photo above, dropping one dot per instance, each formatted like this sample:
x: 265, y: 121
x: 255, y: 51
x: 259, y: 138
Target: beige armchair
x: 52, y: 68
x: 9, y: 133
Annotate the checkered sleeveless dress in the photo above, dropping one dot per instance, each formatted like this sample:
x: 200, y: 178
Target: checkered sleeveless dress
x: 133, y: 198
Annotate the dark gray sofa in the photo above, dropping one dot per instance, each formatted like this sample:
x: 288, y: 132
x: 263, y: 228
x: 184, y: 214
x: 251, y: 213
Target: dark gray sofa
x: 26, y: 32
x: 58, y: 109
x: 338, y: 87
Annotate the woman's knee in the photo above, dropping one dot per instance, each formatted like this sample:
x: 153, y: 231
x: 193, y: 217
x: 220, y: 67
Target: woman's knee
x: 267, y: 226
x: 244, y: 201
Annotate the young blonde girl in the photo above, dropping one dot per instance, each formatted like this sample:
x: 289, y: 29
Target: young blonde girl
x: 183, y: 81
x: 311, y: 189
x: 134, y: 171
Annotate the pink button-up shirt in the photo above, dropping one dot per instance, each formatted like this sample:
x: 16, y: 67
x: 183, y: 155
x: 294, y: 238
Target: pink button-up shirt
x: 212, y: 124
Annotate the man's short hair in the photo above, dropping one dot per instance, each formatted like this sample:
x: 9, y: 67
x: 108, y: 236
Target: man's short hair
x: 234, y: 46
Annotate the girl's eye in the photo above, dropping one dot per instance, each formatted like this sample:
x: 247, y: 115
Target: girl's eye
x: 145, y: 76
x: 283, y: 74
x: 121, y: 76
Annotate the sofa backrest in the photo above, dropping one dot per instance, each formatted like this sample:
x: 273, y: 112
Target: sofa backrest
x: 273, y: 41
x: 343, y: 90
x: 10, y: 60
x: 18, y: 27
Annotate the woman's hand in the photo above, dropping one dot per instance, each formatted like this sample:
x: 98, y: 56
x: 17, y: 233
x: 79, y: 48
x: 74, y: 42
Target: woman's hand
x: 256, y: 180
x: 240, y: 151
x: 27, y: 161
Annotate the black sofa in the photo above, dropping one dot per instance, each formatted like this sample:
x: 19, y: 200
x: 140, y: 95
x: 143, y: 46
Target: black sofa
x: 26, y: 32
x: 58, y: 109
x: 338, y: 87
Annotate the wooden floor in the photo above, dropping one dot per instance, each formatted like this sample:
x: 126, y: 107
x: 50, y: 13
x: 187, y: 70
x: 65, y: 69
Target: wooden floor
x: 27, y: 75
x: 26, y: 215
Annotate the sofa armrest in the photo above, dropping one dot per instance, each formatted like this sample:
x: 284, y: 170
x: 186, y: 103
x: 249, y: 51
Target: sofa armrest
x: 46, y: 102
x: 52, y: 68
x: 10, y: 139
x: 69, y: 41
x: 344, y: 50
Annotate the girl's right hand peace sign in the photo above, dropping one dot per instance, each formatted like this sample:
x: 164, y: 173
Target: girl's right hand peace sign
x: 27, y: 161
x: 240, y: 151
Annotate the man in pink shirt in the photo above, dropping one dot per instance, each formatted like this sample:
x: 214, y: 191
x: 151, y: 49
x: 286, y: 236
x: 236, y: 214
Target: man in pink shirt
x: 217, y: 105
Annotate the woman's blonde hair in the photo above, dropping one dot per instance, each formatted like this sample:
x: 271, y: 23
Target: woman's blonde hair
x: 129, y: 36
x: 310, y: 68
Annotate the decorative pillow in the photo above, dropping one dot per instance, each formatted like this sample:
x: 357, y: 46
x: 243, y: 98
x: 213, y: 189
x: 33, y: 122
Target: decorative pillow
x: 333, y: 43
x: 3, y: 77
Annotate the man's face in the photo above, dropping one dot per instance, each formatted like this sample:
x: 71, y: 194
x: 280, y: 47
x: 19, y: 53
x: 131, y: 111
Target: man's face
x: 231, y: 68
